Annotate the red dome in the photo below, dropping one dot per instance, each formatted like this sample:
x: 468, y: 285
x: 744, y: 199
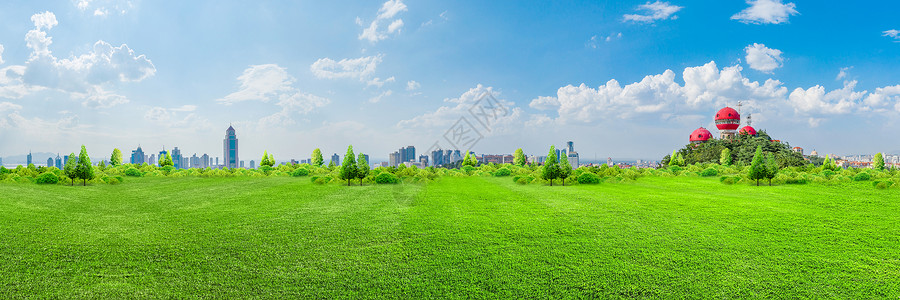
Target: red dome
x: 748, y: 130
x: 728, y: 119
x: 700, y: 135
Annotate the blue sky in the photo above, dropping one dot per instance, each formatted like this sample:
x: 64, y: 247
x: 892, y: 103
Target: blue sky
x: 626, y: 79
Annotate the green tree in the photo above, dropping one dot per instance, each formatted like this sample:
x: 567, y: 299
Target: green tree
x: 469, y: 160
x: 725, y: 157
x: 551, y: 166
x: 71, y: 167
x: 115, y: 159
x: 166, y: 160
x: 878, y: 162
x: 348, y: 166
x: 829, y: 163
x: 102, y: 165
x: 316, y: 158
x: 330, y: 165
x: 757, y: 168
x: 362, y: 168
x: 771, y: 167
x: 519, y: 157
x: 565, y: 168
x: 267, y: 159
x: 84, y: 170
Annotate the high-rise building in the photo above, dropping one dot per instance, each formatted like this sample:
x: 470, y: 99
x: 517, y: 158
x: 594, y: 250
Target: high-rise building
x: 152, y: 160
x: 410, y: 153
x: 49, y: 162
x: 242, y: 164
x: 394, y: 159
x: 59, y: 164
x: 177, y: 160
x: 423, y: 159
x: 571, y: 146
x: 29, y: 158
x: 457, y: 156
x: 137, y: 156
x: 204, y: 161
x: 162, y: 153
x: 230, y: 145
x: 336, y: 159
x: 252, y: 164
x: 437, y: 157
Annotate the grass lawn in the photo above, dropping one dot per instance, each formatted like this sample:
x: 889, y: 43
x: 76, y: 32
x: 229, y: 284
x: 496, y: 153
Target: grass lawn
x: 456, y: 238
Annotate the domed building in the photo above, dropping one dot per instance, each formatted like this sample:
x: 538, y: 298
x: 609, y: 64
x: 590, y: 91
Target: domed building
x: 700, y: 135
x: 727, y: 121
x: 748, y: 130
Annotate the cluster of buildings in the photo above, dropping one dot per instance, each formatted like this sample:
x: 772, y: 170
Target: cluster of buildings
x: 440, y: 157
x: 180, y: 161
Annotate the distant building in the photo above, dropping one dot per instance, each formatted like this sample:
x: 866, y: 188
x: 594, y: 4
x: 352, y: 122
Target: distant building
x: 49, y: 162
x: 204, y: 161
x: 59, y: 164
x: 336, y: 159
x: 242, y: 164
x: 366, y: 156
x: 306, y: 161
x: 798, y: 150
x: 572, y: 155
x: 28, y: 158
x: 252, y: 164
x: 394, y: 159
x: 491, y: 158
x: 177, y: 160
x: 814, y: 153
x: 571, y: 146
x: 609, y: 161
x: 153, y: 160
x: 137, y: 156
x: 162, y: 154
x: 194, y: 161
x: 230, y: 148
x: 423, y: 160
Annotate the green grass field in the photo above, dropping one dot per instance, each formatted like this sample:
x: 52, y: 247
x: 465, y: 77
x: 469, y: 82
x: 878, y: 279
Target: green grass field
x: 456, y: 238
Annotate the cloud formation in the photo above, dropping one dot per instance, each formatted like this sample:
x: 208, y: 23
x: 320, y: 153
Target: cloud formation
x: 357, y: 68
x: 766, y: 12
x: 271, y: 82
x: 386, y: 15
x: 893, y: 33
x: 763, y: 59
x: 653, y: 12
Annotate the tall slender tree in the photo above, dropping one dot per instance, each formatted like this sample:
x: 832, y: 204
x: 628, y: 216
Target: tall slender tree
x: 348, y: 166
x: 757, y: 168
x: 316, y: 158
x: 115, y: 159
x: 725, y: 157
x: 84, y: 169
x: 519, y: 157
x: 565, y: 168
x: 362, y: 167
x: 550, y: 170
x: 267, y: 159
x: 878, y: 162
x: 71, y: 167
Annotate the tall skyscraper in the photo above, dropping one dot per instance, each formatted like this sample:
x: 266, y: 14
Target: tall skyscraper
x: 28, y: 158
x: 59, y: 164
x: 252, y: 164
x: 152, y: 160
x: 571, y: 146
x: 177, y: 160
x: 410, y: 153
x: 204, y: 161
x: 336, y: 159
x: 137, y: 156
x: 231, y: 149
x: 437, y: 157
x: 423, y: 159
x: 49, y: 162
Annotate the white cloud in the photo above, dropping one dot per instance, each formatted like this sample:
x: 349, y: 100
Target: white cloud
x: 85, y: 77
x: 843, y: 73
x: 272, y: 82
x: 177, y: 117
x: 378, y: 82
x: 883, y: 96
x: 1, y: 54
x: 358, y: 68
x: 653, y: 12
x: 763, y: 59
x: 102, y: 8
x: 101, y: 12
x: 412, y: 85
x: 444, y: 117
x: 378, y: 98
x: 386, y: 14
x: 815, y: 101
x: 893, y: 33
x: 766, y: 12
x: 544, y: 103
x: 6, y: 106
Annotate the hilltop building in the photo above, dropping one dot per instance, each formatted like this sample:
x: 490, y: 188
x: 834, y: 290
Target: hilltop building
x: 728, y: 120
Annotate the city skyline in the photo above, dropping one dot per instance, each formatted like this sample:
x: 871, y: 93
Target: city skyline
x: 625, y: 79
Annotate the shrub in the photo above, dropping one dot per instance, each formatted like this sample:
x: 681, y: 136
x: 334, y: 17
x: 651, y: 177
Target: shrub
x: 47, y: 178
x: 709, y: 172
x: 730, y: 179
x: 882, y: 184
x: 300, y: 172
x: 501, y: 172
x: 524, y: 180
x: 133, y: 172
x: 862, y: 176
x: 588, y: 178
x: 675, y: 169
x: 387, y: 178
